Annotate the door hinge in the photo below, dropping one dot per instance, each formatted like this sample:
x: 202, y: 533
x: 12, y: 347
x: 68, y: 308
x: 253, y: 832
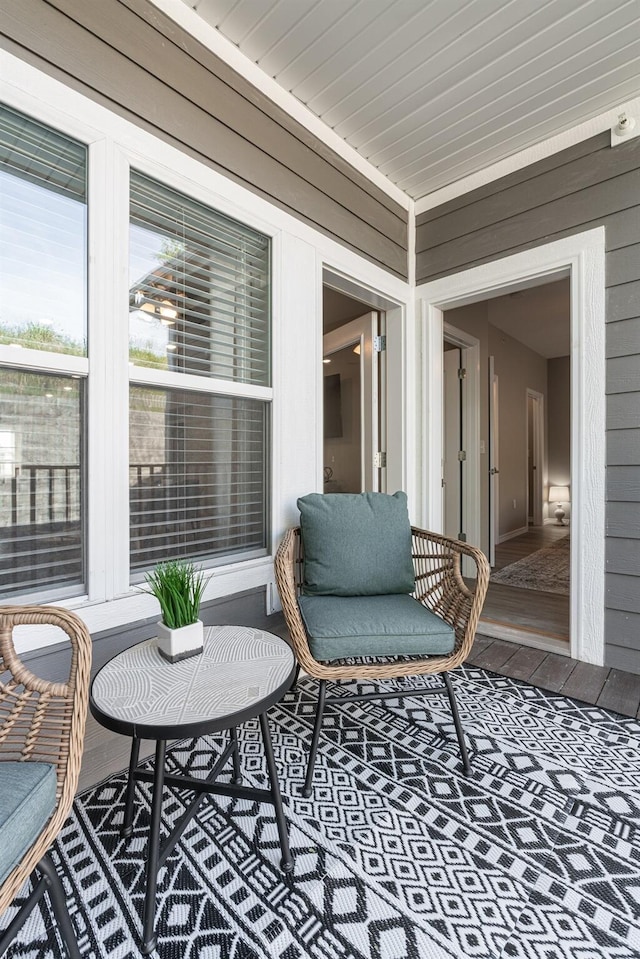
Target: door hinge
x: 379, y: 460
x: 462, y: 373
x: 379, y: 344
x: 462, y: 455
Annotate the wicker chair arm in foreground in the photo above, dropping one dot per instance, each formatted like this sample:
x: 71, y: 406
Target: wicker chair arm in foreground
x: 42, y: 727
x: 439, y: 587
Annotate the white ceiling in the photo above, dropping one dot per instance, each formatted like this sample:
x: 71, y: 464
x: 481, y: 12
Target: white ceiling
x: 431, y: 91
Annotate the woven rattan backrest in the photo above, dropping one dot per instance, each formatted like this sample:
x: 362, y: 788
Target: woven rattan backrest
x: 43, y: 721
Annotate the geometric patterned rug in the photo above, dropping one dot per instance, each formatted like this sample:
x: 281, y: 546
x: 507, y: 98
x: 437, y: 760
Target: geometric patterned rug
x: 535, y: 855
x: 546, y: 569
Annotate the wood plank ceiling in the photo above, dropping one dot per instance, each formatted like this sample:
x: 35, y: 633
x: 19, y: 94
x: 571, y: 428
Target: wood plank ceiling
x: 430, y: 91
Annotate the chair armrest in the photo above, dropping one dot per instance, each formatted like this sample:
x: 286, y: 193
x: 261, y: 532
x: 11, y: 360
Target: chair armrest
x: 440, y: 587
x: 288, y: 563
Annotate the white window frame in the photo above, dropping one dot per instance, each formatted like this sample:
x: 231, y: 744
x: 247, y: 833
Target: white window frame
x: 298, y: 255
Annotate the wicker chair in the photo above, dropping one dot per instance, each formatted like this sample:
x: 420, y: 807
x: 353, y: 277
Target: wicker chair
x: 41, y: 740
x: 438, y: 586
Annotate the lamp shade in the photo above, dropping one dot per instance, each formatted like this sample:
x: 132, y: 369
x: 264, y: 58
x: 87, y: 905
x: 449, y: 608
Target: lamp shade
x: 558, y: 494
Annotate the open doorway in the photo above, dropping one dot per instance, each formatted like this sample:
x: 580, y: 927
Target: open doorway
x: 524, y: 397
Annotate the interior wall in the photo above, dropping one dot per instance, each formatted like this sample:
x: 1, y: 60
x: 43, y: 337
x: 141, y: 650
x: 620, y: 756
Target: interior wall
x: 342, y: 453
x: 559, y: 422
x: 518, y: 369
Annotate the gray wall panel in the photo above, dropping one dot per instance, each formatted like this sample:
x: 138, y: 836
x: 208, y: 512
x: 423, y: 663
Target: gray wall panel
x: 586, y: 186
x: 623, y: 448
x: 623, y: 265
x: 623, y: 556
x: 623, y: 485
x: 143, y: 66
x: 622, y: 593
x: 623, y: 519
x: 623, y: 337
x: 623, y: 374
x: 623, y: 411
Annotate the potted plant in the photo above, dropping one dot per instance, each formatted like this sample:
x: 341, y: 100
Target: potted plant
x: 178, y: 586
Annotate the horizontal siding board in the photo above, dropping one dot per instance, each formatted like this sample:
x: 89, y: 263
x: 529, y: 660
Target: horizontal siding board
x: 623, y: 411
x: 624, y: 629
x: 623, y: 374
x: 622, y: 228
x: 623, y: 519
x: 524, y: 175
x: 137, y: 40
x: 103, y: 73
x: 623, y: 556
x: 623, y: 484
x: 562, y: 182
x: 623, y: 265
x: 623, y: 447
x: 622, y: 592
x: 623, y: 302
x: 623, y: 337
x: 172, y: 31
x: 621, y: 657
x: 534, y: 226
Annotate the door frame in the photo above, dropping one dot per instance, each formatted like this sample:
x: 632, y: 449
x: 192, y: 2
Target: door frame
x: 470, y: 346
x: 538, y: 445
x: 493, y: 506
x: 582, y: 258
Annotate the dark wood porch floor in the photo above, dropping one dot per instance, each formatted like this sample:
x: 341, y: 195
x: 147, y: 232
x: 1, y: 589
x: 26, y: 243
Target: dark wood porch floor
x: 597, y: 685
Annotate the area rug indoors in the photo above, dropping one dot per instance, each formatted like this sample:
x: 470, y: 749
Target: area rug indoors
x: 397, y: 855
x: 547, y: 569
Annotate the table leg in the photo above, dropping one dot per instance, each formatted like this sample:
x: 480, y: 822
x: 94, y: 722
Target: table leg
x: 237, y: 772
x: 286, y: 863
x: 127, y: 825
x: 149, y: 939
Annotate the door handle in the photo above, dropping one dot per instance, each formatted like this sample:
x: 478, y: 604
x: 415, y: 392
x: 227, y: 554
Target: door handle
x: 493, y: 471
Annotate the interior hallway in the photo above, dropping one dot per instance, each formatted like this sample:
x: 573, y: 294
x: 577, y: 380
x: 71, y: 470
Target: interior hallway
x: 531, y: 610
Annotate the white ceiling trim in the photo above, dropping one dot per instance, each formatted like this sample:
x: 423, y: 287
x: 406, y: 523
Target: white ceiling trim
x: 227, y: 51
x: 590, y: 128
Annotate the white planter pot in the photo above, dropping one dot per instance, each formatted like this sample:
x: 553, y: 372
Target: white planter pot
x: 177, y: 644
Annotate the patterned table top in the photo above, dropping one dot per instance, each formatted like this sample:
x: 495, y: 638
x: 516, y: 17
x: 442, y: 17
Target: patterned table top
x: 240, y: 673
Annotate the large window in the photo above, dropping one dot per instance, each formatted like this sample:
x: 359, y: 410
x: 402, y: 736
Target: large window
x: 43, y: 256
x: 199, y: 305
x: 187, y: 380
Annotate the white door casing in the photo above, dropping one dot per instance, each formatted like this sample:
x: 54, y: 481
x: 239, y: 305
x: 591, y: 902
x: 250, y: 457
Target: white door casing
x: 581, y: 257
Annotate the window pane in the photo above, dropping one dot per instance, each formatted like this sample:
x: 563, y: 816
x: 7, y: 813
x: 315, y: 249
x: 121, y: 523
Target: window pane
x: 197, y: 476
x: 41, y: 483
x: 199, y: 288
x: 43, y: 229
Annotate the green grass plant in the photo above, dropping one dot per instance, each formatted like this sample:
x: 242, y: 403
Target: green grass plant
x: 178, y: 586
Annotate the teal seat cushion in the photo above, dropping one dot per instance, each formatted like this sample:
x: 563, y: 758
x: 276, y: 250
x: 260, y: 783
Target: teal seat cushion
x: 27, y: 800
x: 356, y: 544
x: 339, y: 627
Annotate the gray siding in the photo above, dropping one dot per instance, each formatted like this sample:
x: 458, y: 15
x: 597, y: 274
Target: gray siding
x: 580, y: 188
x: 130, y: 57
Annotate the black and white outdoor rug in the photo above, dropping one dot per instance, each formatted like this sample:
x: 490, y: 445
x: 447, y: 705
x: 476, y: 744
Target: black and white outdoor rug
x: 397, y: 855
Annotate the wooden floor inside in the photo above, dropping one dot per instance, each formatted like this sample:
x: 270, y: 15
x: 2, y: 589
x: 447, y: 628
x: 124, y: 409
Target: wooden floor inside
x: 540, y: 614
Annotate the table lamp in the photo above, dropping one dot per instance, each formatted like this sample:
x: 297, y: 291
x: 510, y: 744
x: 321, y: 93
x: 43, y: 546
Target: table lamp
x: 559, y: 495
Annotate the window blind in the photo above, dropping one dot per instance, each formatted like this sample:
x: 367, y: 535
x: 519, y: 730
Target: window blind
x: 199, y: 288
x: 41, y: 482
x: 197, y: 476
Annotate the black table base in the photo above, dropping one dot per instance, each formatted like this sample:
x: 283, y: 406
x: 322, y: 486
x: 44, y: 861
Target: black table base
x: 157, y: 854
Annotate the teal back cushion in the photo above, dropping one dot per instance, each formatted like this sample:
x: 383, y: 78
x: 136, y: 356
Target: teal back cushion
x: 356, y: 544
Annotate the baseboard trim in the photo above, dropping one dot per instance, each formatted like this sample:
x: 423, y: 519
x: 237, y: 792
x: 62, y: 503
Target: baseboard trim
x: 512, y: 534
x: 524, y: 636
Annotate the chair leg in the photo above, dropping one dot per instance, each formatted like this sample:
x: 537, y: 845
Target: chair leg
x: 59, y: 905
x: 322, y: 689
x: 466, y: 765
